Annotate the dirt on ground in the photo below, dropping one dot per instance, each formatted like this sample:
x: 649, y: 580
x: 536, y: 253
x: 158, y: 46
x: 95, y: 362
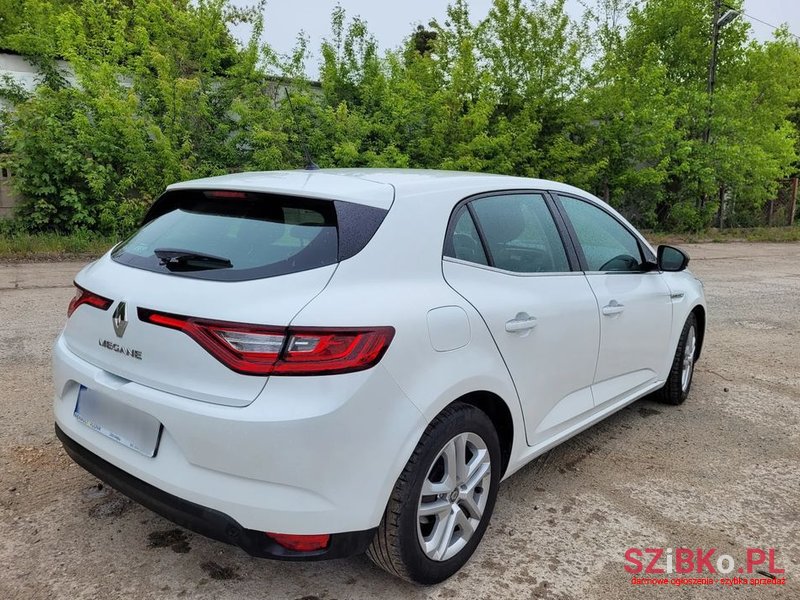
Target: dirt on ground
x: 721, y: 471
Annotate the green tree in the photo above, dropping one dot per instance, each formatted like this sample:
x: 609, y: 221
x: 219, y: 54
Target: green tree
x: 616, y: 102
x: 156, y: 86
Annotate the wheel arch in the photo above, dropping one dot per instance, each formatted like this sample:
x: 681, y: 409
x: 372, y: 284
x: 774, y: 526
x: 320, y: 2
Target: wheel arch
x: 500, y: 415
x: 699, y: 313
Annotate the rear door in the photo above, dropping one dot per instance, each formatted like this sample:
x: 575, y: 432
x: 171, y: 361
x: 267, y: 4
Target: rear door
x: 167, y: 359
x: 217, y: 255
x: 505, y: 255
x: 633, y: 300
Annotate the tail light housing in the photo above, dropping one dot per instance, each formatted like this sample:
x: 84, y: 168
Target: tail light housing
x: 264, y: 350
x: 83, y: 296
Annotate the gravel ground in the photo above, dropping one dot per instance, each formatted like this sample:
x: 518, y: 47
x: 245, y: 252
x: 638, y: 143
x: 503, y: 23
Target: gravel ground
x: 721, y: 472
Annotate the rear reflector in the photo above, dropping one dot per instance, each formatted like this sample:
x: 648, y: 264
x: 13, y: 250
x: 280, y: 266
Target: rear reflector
x: 301, y: 543
x: 84, y: 296
x: 264, y: 350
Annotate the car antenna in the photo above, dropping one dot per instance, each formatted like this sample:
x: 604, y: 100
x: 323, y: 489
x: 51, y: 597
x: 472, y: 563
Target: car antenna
x: 310, y: 164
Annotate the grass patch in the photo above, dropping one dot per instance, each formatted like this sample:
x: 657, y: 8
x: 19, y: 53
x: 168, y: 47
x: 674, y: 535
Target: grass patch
x: 750, y: 234
x: 51, y: 246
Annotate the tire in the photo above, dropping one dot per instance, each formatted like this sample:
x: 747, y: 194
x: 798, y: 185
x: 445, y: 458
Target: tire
x: 679, y: 381
x: 460, y: 429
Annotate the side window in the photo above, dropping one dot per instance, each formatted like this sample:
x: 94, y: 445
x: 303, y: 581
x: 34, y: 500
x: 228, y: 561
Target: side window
x: 520, y: 234
x: 465, y: 243
x: 606, y: 244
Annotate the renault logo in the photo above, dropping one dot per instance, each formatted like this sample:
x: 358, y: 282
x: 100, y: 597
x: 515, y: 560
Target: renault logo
x: 120, y: 320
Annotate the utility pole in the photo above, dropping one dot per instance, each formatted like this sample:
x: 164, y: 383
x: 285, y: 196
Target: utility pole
x: 712, y: 80
x: 719, y: 21
x: 712, y: 67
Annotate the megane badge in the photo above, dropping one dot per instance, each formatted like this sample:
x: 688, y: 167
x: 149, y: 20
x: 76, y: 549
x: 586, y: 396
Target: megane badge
x: 120, y: 320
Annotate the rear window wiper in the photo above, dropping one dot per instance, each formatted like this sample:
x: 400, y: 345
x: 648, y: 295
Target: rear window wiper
x: 176, y: 259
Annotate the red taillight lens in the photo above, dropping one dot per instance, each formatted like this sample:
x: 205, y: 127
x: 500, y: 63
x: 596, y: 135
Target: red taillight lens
x: 244, y: 348
x: 84, y: 296
x: 310, y: 351
x: 301, y: 543
x: 261, y: 350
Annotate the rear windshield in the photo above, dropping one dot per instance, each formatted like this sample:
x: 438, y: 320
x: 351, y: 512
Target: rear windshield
x: 234, y: 236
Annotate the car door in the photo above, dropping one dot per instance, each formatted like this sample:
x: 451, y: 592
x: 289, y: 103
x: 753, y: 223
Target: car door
x: 632, y: 297
x: 506, y: 256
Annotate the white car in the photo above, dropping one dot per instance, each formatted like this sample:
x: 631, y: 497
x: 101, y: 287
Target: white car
x: 313, y: 364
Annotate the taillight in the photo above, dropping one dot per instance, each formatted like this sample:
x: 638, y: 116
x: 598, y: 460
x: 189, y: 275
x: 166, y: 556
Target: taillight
x: 301, y: 543
x: 84, y: 296
x: 310, y: 351
x: 262, y: 350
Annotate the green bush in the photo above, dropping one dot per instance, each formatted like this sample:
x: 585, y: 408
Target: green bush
x: 81, y: 160
x: 687, y: 217
x: 162, y: 92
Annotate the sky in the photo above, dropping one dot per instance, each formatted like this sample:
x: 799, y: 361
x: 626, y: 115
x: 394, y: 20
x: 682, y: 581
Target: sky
x: 391, y: 21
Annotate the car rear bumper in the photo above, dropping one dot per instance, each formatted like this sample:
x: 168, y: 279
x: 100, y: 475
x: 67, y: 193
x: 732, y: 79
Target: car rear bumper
x: 206, y: 521
x: 311, y: 455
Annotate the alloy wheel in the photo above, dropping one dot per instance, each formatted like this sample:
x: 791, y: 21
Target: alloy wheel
x: 688, y: 359
x: 454, y: 496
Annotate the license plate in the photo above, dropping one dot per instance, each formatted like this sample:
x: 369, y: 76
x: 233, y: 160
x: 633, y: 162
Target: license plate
x: 122, y: 423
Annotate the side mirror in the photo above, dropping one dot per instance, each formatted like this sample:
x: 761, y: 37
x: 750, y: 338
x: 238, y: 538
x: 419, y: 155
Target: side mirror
x: 672, y: 259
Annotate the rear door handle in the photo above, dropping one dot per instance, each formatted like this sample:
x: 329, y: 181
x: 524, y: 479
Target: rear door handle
x: 522, y: 322
x: 613, y: 308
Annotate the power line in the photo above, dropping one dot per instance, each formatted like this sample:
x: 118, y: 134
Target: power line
x: 752, y: 18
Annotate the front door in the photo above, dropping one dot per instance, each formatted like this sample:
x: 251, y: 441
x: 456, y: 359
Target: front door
x: 632, y: 298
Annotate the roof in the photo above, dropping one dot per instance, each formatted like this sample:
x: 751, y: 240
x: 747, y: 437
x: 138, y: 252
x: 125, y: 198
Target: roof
x: 372, y: 187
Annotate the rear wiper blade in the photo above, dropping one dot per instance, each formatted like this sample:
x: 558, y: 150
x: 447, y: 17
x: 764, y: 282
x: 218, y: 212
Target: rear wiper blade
x: 187, y: 260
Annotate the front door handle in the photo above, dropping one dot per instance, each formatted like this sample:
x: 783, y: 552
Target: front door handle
x: 522, y: 322
x: 613, y: 308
